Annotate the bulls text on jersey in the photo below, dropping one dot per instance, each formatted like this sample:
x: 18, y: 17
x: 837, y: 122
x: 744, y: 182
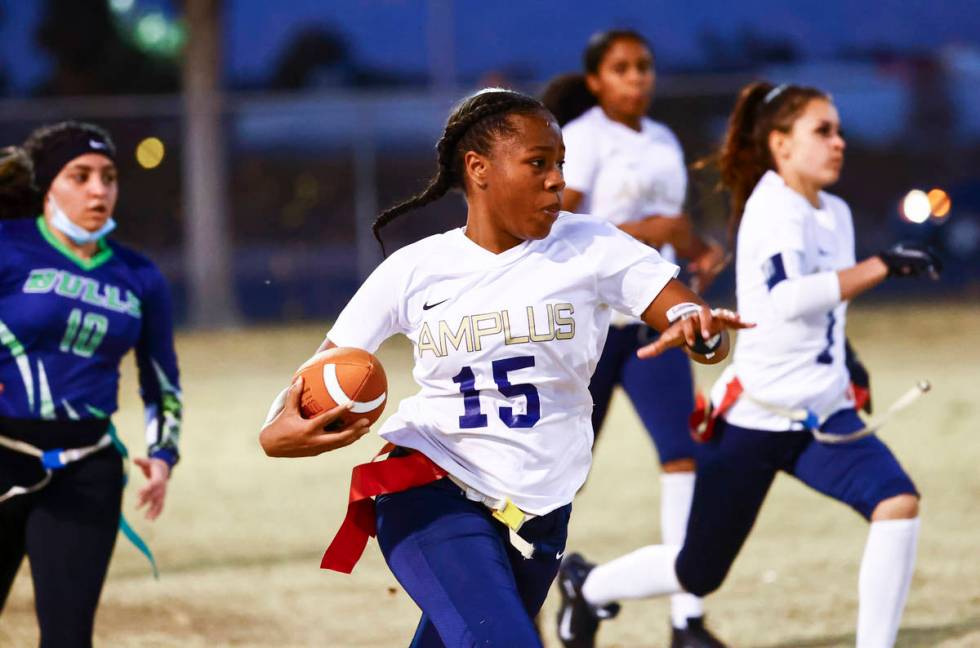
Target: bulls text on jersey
x: 85, y: 289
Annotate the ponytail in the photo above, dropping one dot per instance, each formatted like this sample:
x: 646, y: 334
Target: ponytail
x: 567, y: 96
x: 744, y: 156
x: 18, y: 198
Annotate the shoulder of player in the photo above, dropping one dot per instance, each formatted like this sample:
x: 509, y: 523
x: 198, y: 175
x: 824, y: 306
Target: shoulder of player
x: 658, y: 131
x: 20, y: 238
x: 582, y: 230
x: 835, y: 203
x: 134, y: 261
x: 773, y: 200
x: 583, y: 125
x: 17, y: 228
x: 419, y: 252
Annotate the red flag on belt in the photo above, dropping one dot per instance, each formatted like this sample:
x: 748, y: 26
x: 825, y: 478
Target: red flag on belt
x: 392, y: 475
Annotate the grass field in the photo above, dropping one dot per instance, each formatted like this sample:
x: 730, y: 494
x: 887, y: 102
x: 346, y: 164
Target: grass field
x: 240, y: 540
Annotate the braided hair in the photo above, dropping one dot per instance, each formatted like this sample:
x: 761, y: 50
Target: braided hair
x: 473, y: 125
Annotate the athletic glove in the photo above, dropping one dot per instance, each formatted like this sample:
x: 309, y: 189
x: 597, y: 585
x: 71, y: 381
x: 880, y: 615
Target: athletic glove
x: 860, y: 380
x: 911, y: 260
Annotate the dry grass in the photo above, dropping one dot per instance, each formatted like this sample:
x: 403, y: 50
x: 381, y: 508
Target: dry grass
x: 240, y: 541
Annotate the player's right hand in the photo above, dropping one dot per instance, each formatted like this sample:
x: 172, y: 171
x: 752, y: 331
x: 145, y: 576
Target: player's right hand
x: 288, y: 434
x: 911, y: 260
x: 692, y: 331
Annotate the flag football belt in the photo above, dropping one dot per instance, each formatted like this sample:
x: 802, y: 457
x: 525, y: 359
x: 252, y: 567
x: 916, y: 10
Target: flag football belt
x: 395, y: 474
x: 51, y: 460
x: 58, y: 458
x: 703, y: 418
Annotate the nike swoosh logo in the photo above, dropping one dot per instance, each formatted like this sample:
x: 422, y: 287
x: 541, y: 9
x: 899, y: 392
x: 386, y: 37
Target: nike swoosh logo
x: 96, y: 144
x: 559, y: 555
x: 428, y: 306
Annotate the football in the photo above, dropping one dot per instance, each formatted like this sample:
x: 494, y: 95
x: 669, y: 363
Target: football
x: 342, y: 374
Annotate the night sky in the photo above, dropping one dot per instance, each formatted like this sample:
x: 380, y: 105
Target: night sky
x: 540, y: 37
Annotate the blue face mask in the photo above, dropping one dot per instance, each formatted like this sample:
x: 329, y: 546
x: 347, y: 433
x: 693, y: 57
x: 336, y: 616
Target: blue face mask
x: 78, y: 234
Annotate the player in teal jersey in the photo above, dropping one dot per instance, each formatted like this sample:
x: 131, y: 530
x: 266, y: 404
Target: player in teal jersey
x: 72, y: 304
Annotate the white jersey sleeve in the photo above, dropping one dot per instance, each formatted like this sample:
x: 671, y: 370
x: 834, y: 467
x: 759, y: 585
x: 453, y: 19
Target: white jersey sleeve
x: 581, y: 156
x: 374, y: 313
x: 629, y: 274
x: 796, y: 294
x: 782, y: 250
x: 784, y: 224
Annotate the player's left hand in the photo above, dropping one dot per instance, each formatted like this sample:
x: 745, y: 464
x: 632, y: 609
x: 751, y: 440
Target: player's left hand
x: 706, y: 266
x: 154, y: 493
x: 702, y: 325
x: 911, y: 260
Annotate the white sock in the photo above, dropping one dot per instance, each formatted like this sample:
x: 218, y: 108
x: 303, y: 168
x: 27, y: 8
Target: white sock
x: 883, y: 585
x: 676, y: 493
x: 648, y: 571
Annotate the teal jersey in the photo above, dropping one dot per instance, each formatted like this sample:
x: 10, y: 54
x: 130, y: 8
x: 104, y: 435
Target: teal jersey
x: 67, y: 322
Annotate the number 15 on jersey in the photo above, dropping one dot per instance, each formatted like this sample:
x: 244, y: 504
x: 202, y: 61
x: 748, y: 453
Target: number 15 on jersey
x: 473, y: 416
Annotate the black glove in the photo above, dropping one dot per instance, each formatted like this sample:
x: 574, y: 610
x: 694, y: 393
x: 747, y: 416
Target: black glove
x: 911, y: 260
x: 860, y: 380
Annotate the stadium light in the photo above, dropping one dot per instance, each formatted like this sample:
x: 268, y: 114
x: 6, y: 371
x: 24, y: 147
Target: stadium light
x: 121, y: 6
x: 939, y: 203
x: 151, y: 29
x: 915, y: 207
x: 152, y: 32
x: 150, y: 152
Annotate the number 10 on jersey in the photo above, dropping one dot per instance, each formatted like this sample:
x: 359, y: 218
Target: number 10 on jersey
x: 84, y: 333
x: 473, y: 417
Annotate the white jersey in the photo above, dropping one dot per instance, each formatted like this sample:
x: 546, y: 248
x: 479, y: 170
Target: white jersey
x: 625, y: 175
x: 795, y: 360
x: 504, y: 345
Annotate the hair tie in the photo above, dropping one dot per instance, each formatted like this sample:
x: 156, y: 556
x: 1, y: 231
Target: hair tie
x: 775, y: 92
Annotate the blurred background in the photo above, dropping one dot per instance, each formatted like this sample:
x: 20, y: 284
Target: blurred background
x: 258, y: 140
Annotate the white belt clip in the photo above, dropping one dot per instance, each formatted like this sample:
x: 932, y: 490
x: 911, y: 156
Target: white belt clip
x: 504, y: 511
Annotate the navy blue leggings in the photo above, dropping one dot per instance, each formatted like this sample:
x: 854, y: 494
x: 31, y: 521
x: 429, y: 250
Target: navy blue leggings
x: 457, y: 564
x: 661, y: 389
x: 737, y: 468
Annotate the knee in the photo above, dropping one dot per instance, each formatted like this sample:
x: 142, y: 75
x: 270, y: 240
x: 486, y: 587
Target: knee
x: 701, y: 585
x: 698, y: 578
x: 678, y: 466
x: 899, y: 507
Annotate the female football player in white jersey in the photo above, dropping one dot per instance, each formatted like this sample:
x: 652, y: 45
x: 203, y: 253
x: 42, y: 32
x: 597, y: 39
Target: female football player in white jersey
x: 622, y: 166
x: 507, y: 316
x: 788, y: 384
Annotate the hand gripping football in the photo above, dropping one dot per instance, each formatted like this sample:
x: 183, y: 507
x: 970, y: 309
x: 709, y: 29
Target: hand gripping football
x: 336, y: 376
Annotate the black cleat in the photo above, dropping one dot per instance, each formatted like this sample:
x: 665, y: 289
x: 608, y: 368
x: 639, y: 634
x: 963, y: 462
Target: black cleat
x: 578, y: 620
x: 695, y: 635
